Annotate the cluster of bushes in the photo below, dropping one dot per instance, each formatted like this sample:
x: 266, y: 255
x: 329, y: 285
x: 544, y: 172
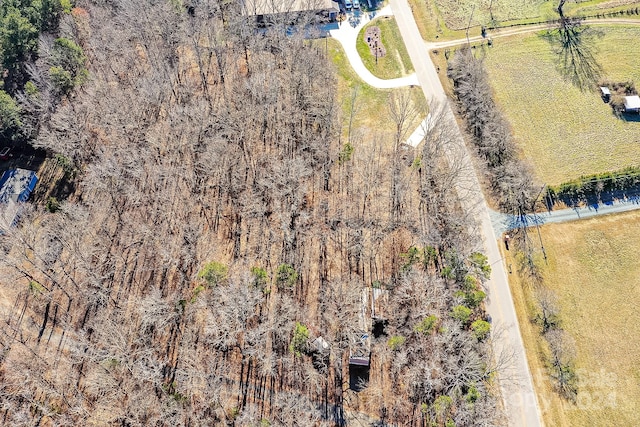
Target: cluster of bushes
x: 630, y: 11
x: 509, y: 178
x: 617, y: 13
x: 595, y: 188
x: 618, y: 91
x: 469, y: 274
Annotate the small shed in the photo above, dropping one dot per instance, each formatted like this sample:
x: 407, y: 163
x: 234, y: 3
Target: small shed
x: 632, y: 104
x: 605, y: 93
x: 359, y: 362
x: 359, y: 372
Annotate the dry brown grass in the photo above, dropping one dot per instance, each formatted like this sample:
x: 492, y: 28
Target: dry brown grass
x: 594, y: 270
x: 564, y: 132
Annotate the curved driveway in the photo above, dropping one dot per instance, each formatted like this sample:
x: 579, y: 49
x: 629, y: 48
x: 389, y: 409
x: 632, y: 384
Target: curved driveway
x: 347, y: 35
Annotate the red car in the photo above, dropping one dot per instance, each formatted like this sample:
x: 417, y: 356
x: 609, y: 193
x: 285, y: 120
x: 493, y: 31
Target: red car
x: 4, y: 153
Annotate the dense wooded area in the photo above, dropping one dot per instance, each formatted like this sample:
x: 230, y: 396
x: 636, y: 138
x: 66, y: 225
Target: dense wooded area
x: 217, y: 228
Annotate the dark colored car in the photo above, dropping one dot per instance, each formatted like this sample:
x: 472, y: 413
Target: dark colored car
x: 5, y: 153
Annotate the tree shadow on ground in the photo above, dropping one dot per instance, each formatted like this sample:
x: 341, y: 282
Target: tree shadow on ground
x: 574, y: 44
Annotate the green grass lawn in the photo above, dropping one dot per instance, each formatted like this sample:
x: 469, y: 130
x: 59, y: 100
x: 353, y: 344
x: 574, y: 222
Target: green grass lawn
x: 371, y: 103
x: 564, y: 132
x: 595, y: 272
x: 396, y: 62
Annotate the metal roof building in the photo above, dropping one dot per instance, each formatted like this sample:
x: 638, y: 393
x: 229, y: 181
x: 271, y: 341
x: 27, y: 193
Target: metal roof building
x: 274, y: 7
x: 15, y: 187
x: 632, y: 104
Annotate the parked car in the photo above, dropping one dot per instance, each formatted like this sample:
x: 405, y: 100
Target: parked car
x: 5, y: 153
x: 348, y: 4
x: 356, y: 4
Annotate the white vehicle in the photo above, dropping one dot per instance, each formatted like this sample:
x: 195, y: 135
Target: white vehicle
x: 356, y: 4
x: 348, y: 4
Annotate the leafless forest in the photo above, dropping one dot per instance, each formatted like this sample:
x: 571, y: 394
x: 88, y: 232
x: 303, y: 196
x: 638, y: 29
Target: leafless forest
x: 216, y: 229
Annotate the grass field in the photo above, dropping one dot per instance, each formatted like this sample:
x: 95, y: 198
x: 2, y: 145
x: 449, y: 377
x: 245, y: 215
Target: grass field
x: 371, y: 102
x: 396, y: 62
x: 564, y: 132
x: 595, y: 271
x: 489, y: 12
x: 449, y: 18
x: 430, y: 21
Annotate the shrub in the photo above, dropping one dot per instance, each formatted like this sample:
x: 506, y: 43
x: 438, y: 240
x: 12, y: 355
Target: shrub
x: 345, y: 153
x: 461, y: 313
x: 299, y: 340
x: 442, y: 405
x: 427, y: 325
x: 411, y: 256
x: 198, y: 289
x: 480, y: 329
x: 52, y: 205
x: 36, y: 288
x: 31, y: 89
x: 395, y: 342
x: 286, y: 276
x: 592, y: 186
x: 66, y: 164
x: 473, y: 394
x: 260, y: 278
x: 474, y: 298
x: 214, y: 273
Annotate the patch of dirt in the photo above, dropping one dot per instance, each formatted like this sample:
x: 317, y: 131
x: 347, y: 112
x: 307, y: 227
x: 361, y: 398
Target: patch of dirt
x: 372, y: 39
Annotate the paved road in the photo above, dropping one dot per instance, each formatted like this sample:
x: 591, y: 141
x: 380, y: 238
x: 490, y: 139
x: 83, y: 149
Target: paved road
x: 347, y: 34
x: 517, y: 387
x: 505, y: 222
x: 518, y: 393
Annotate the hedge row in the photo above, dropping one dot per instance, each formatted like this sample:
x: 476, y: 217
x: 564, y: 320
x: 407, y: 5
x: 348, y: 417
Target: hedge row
x: 596, y: 188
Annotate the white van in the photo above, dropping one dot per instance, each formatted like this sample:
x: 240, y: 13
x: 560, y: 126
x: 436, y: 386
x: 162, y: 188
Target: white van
x: 348, y: 5
x: 356, y: 4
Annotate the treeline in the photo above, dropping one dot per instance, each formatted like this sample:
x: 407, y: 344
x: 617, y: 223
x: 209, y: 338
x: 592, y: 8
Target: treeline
x: 217, y: 232
x: 596, y: 188
x: 510, y: 179
x: 513, y: 186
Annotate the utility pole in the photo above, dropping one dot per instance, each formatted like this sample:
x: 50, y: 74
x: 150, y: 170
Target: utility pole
x: 533, y: 207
